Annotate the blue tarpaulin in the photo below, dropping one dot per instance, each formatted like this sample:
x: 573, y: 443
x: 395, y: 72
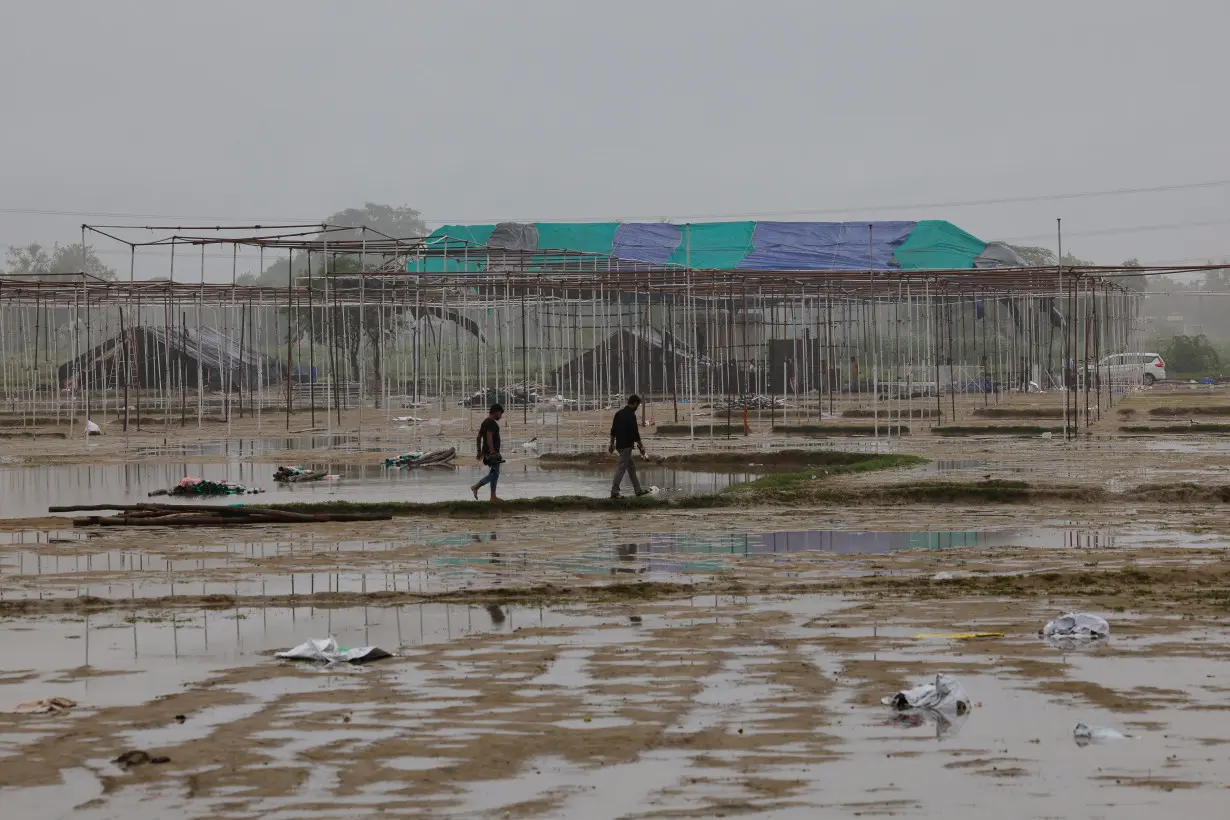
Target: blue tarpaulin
x: 825, y: 245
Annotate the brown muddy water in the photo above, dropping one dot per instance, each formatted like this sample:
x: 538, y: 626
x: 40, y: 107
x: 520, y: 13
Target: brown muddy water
x: 700, y: 707
x: 28, y: 491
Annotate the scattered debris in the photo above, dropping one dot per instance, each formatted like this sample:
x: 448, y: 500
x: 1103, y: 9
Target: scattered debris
x: 202, y: 515
x: 46, y: 706
x: 203, y: 486
x: 945, y: 694
x: 496, y: 613
x: 750, y: 402
x: 943, y: 702
x: 418, y: 458
x: 293, y: 475
x: 326, y: 650
x: 1085, y: 735
x: 939, y: 576
x: 139, y: 758
x: 960, y: 636
x: 1076, y: 626
x: 180, y: 718
x: 92, y: 429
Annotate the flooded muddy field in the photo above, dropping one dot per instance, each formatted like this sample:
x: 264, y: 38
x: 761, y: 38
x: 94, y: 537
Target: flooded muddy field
x: 606, y: 663
x: 697, y: 707
x: 26, y: 490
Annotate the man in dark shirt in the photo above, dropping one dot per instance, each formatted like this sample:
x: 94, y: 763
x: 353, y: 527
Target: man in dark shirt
x: 489, y: 450
x: 626, y: 434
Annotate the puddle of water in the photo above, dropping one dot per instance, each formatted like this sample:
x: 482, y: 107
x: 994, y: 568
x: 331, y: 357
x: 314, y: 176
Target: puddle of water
x: 116, y: 658
x: 28, y: 491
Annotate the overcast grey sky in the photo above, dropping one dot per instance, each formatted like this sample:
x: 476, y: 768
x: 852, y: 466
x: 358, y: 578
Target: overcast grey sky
x: 624, y: 109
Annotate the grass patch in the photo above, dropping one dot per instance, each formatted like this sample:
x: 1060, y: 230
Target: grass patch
x: 840, y: 429
x: 1194, y: 410
x: 702, y: 429
x: 780, y: 487
x: 1176, y: 429
x: 916, y: 413
x: 995, y: 430
x: 778, y: 461
x: 1019, y: 412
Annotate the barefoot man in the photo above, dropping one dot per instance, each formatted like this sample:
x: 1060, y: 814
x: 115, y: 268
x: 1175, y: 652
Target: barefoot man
x: 626, y: 434
x: 489, y: 450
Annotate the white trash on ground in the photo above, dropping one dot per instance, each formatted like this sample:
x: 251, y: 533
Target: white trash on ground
x: 943, y: 703
x: 944, y: 695
x: 46, y: 706
x: 92, y: 429
x: 1080, y: 625
x: 1084, y: 735
x: 326, y: 650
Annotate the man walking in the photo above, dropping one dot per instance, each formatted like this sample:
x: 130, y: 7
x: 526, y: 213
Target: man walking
x: 626, y: 434
x: 489, y: 450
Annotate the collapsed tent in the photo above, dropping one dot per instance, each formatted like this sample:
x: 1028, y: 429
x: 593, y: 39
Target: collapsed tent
x: 159, y: 358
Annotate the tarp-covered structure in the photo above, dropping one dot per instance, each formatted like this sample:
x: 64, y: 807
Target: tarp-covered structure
x: 159, y: 357
x: 644, y: 359
x: 928, y: 244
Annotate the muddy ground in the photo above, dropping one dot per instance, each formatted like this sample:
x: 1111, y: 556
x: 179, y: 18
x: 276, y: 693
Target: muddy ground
x: 627, y: 663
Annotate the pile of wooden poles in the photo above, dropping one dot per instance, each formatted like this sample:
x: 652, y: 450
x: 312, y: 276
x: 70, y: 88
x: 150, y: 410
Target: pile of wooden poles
x: 201, y: 515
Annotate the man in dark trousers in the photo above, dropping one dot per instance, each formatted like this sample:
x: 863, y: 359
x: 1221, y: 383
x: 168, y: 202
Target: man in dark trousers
x: 489, y: 450
x: 626, y: 434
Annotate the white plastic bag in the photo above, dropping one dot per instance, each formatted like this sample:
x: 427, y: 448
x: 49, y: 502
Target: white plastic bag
x: 1080, y: 625
x: 326, y: 650
x: 1084, y: 735
x: 945, y: 695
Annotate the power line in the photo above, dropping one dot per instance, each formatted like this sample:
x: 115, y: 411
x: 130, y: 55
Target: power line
x: 959, y: 203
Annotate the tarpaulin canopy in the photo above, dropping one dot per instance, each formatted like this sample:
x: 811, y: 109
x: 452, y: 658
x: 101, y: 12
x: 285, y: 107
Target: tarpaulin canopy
x: 854, y: 246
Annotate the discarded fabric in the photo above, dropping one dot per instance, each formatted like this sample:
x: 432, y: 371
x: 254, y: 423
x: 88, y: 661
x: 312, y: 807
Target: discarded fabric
x: 1084, y: 735
x: 326, y: 650
x: 202, y: 486
x: 418, y: 458
x: 944, y: 695
x: 1080, y: 625
x: 943, y: 703
x: 46, y: 706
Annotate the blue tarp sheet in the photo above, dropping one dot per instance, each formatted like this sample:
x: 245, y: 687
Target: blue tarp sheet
x: 825, y: 245
x: 651, y: 242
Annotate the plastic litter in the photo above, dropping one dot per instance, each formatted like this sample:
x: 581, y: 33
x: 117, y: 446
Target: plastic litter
x: 939, y: 576
x: 1085, y: 735
x: 46, y: 706
x: 944, y: 695
x: 92, y: 429
x: 960, y: 636
x: 202, y: 486
x: 1078, y: 625
x: 326, y: 650
x: 418, y: 458
x: 942, y: 702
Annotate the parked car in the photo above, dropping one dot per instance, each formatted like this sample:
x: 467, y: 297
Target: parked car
x: 1130, y: 368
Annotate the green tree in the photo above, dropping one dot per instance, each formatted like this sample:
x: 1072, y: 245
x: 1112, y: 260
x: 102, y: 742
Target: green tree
x: 1134, y: 283
x: 396, y: 221
x: 1039, y: 257
x: 33, y: 259
x: 1190, y: 355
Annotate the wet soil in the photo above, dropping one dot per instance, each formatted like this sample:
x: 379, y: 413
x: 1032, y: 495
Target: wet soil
x: 724, y: 661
